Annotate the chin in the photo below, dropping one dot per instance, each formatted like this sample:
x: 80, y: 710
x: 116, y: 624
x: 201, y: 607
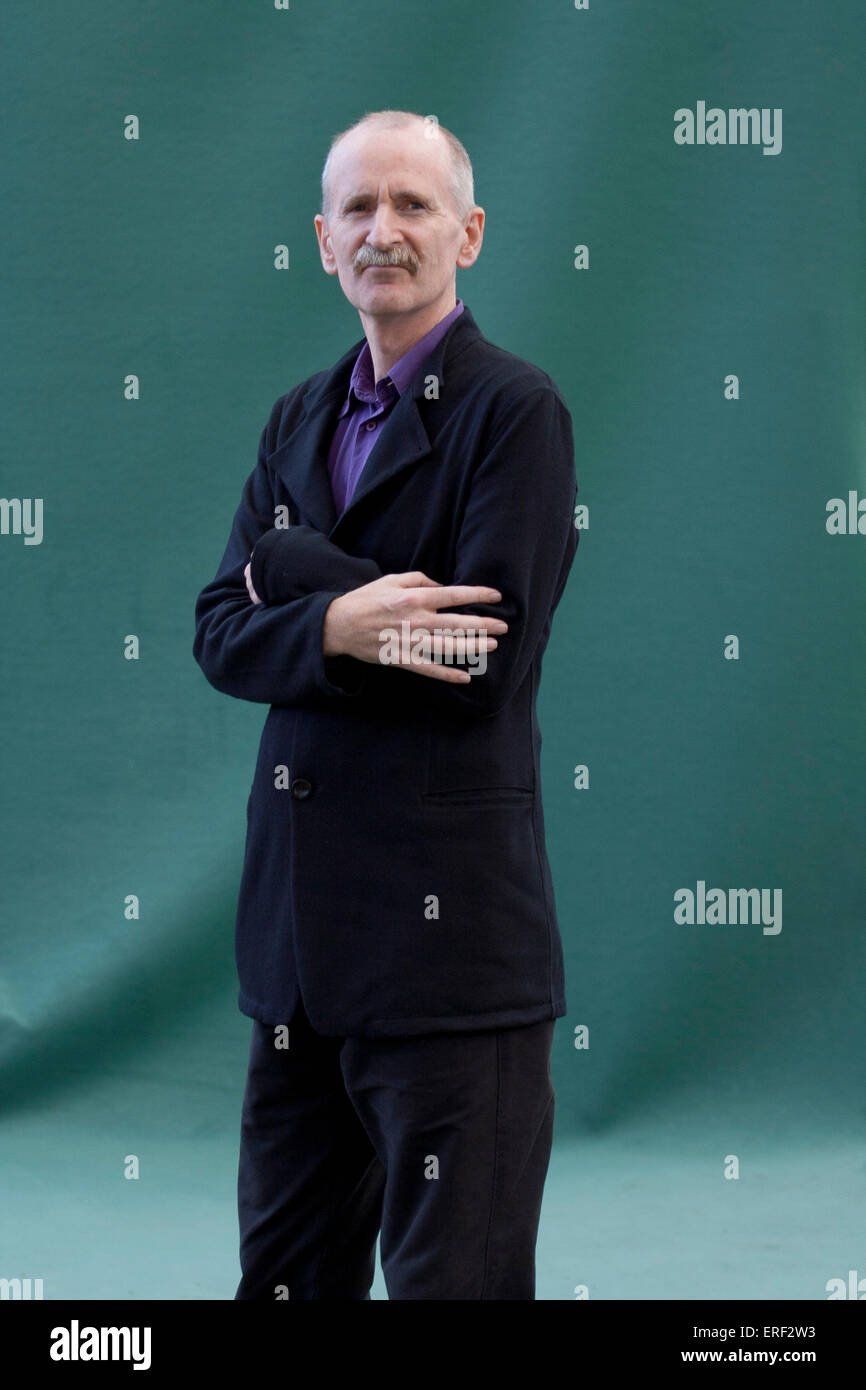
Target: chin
x: 378, y: 300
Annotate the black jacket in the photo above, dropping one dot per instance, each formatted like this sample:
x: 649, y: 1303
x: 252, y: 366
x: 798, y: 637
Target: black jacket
x: 395, y: 867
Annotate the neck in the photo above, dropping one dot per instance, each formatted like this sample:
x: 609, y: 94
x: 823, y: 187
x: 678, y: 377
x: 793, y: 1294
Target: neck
x: 390, y: 336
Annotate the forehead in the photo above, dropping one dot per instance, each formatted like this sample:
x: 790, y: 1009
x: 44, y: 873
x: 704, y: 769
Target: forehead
x: 399, y: 158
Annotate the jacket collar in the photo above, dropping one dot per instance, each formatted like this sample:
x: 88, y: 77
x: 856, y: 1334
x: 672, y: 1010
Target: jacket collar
x: 302, y: 458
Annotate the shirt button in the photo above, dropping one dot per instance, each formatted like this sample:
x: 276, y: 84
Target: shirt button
x: 301, y: 788
x: 371, y: 424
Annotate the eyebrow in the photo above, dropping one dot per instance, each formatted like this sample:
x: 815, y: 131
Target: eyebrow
x: 400, y: 193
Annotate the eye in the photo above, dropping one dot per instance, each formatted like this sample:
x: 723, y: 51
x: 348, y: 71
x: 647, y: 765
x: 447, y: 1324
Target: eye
x: 408, y: 203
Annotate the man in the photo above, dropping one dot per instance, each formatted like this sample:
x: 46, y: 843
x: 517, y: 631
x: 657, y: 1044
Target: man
x: 396, y: 936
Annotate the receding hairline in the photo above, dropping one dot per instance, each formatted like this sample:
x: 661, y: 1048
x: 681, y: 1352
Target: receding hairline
x: 462, y: 183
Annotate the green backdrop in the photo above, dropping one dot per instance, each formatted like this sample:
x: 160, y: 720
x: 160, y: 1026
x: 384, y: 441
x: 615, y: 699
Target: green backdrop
x: 706, y: 518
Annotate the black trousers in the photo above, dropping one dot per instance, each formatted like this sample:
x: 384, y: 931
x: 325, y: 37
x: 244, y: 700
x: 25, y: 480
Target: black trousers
x: 441, y: 1143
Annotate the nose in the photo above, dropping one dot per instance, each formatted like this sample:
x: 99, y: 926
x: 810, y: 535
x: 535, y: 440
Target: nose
x: 381, y: 234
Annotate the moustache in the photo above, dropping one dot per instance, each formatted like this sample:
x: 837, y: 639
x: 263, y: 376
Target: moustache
x: 368, y: 255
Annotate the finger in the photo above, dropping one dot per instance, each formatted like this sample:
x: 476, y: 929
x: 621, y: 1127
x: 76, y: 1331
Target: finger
x: 466, y: 593
x: 466, y: 647
x: 473, y: 644
x: 461, y: 622
x: 444, y: 644
x: 437, y: 672
x: 415, y: 579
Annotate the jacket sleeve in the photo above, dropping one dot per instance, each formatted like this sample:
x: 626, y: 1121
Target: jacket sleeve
x: 517, y: 535
x: 268, y: 652
x: 296, y: 560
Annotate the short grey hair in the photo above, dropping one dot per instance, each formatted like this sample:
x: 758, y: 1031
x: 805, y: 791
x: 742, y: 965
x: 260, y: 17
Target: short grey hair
x: 462, y: 183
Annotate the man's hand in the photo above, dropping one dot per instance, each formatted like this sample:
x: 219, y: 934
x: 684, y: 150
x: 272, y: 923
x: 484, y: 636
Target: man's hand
x: 354, y: 621
x: 249, y: 582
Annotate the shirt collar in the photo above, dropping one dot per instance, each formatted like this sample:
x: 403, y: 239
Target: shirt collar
x: 399, y: 376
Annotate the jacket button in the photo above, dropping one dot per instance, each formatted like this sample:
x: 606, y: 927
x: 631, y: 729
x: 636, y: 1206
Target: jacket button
x: 301, y: 788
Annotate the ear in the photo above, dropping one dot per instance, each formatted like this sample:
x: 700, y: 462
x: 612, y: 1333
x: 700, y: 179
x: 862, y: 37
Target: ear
x: 329, y: 260
x: 474, y: 235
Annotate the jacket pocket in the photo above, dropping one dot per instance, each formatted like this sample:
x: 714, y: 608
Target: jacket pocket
x: 481, y: 760
x: 480, y: 796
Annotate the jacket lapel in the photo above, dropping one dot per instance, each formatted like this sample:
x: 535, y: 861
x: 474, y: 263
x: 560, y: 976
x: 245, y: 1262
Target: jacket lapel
x: 302, y: 458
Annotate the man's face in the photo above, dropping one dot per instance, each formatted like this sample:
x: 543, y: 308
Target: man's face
x: 393, y: 236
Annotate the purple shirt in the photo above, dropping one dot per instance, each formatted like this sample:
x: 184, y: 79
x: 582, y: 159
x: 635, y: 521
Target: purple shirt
x: 368, y: 405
